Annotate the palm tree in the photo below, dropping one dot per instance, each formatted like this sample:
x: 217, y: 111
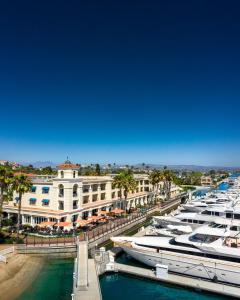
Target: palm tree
x: 6, y: 176
x: 126, y: 183
x: 20, y: 184
x: 155, y: 178
x: 168, y: 178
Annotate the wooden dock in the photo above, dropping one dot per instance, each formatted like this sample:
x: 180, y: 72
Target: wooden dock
x: 184, y: 281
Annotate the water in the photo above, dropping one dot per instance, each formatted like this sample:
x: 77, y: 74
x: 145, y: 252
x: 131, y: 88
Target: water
x: 54, y: 282
x: 119, y: 287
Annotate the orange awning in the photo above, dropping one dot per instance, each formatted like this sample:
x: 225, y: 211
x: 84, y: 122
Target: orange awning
x: 117, y: 211
x: 94, y: 218
x: 82, y: 222
x: 43, y: 224
x: 64, y: 224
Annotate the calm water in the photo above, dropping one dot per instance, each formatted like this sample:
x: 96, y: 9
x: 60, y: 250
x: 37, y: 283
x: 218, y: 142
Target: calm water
x: 119, y: 287
x: 54, y: 282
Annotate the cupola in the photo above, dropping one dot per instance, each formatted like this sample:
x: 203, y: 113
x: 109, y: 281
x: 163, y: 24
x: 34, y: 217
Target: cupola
x: 67, y: 170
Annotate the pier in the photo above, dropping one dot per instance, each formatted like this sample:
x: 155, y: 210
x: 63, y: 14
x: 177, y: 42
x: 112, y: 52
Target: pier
x: 85, y: 278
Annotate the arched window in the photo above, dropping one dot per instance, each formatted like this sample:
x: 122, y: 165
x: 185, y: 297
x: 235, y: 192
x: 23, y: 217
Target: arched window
x: 62, y: 174
x: 60, y: 190
x: 75, y: 187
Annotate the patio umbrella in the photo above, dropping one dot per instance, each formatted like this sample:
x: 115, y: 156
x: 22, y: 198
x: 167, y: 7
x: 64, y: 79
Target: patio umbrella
x: 64, y: 224
x: 82, y: 223
x: 117, y: 211
x: 45, y: 224
x: 103, y: 212
x: 94, y: 218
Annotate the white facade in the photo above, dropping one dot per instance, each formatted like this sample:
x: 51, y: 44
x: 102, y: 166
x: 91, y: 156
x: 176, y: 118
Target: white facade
x: 69, y: 197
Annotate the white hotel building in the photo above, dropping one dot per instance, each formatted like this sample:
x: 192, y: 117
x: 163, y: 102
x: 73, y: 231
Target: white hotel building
x: 69, y: 197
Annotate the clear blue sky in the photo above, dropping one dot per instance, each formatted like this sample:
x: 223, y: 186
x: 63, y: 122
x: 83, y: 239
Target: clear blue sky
x: 120, y: 81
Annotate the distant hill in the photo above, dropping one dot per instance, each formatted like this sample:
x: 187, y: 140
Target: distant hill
x: 41, y: 164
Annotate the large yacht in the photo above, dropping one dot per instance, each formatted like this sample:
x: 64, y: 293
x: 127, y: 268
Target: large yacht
x: 214, y: 256
x: 195, y: 220
x: 204, y: 244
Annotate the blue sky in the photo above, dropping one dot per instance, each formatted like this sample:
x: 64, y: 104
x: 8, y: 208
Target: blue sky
x: 127, y: 81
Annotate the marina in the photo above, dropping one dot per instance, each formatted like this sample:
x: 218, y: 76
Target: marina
x: 87, y: 285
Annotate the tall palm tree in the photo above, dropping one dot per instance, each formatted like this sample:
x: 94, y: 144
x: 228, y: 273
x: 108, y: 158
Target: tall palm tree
x: 155, y: 178
x: 126, y: 183
x: 168, y: 178
x: 20, y: 184
x: 6, y: 176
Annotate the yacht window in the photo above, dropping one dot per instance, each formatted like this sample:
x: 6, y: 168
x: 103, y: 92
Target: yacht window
x: 229, y: 215
x: 206, y: 212
x: 234, y: 228
x: 216, y: 213
x: 203, y: 238
x: 236, y: 216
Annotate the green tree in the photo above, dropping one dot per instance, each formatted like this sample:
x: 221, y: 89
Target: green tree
x: 47, y: 170
x: 97, y: 170
x: 6, y: 176
x: 168, y: 178
x: 155, y: 178
x: 20, y: 184
x: 126, y: 183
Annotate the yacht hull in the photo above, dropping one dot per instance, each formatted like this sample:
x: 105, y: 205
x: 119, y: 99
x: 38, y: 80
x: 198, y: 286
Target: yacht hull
x: 189, y: 265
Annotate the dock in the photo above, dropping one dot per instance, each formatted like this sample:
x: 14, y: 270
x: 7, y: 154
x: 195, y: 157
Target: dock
x: 184, y: 281
x: 86, y: 282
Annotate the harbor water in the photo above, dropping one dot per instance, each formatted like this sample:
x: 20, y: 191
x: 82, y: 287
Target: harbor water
x: 55, y: 282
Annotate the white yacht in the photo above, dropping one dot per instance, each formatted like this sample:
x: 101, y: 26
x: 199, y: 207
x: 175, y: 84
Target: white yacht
x: 211, y: 214
x: 212, y: 255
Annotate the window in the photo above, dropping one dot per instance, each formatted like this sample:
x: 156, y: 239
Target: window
x: 94, y: 187
x: 229, y: 215
x: 95, y: 197
x: 62, y: 174
x: 33, y: 189
x: 45, y: 190
x: 75, y: 204
x: 103, y: 187
x: 60, y: 205
x: 85, y: 199
x: 75, y: 187
x: 103, y: 196
x: 61, y: 190
x: 32, y: 201
x: 146, y: 182
x: 45, y: 202
x: 113, y: 195
x: 85, y: 188
x: 74, y: 174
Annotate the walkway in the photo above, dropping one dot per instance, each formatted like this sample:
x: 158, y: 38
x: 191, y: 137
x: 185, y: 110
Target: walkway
x: 86, y: 283
x: 190, y: 282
